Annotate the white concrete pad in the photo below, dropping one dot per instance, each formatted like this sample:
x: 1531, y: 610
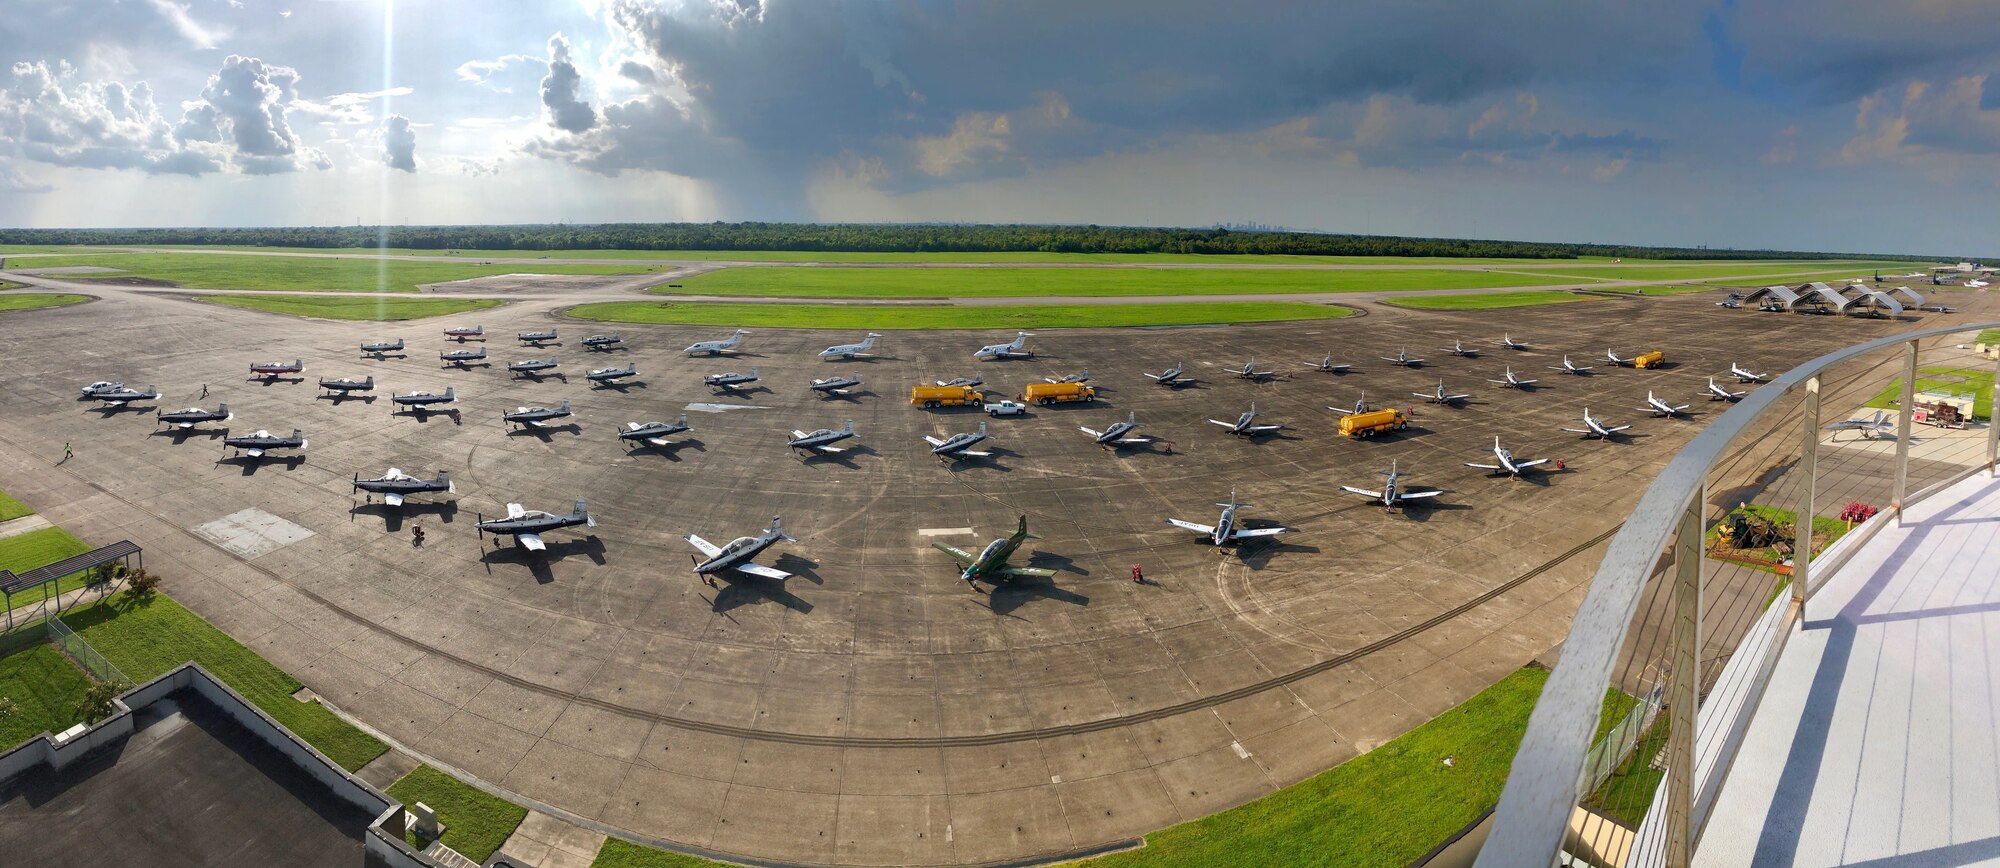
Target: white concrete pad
x: 252, y: 532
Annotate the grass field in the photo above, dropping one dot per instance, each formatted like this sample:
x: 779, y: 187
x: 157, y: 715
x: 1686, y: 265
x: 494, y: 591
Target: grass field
x: 1016, y: 282
x: 331, y: 307
x: 1796, y: 279
x: 1490, y: 300
x: 624, y: 854
x: 147, y: 638
x: 33, y: 300
x: 1979, y: 383
x: 45, y: 687
x: 1386, y: 807
x: 903, y: 317
x: 8, y: 284
x: 222, y: 271
x: 475, y: 823
x: 1698, y: 272
x: 1675, y: 289
x: 37, y: 548
x: 11, y: 508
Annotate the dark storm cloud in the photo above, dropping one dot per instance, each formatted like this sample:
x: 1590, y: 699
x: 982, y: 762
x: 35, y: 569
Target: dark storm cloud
x: 1838, y: 52
x: 399, y: 144
x: 567, y: 111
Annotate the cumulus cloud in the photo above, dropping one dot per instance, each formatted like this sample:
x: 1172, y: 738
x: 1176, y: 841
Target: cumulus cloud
x: 12, y: 181
x: 1923, y: 119
x: 399, y: 144
x: 201, y: 35
x: 484, y: 72
x: 567, y: 110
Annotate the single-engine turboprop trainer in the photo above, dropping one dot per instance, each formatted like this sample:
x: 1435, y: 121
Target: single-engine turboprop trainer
x: 526, y: 526
x: 535, y: 417
x: 737, y: 555
x: 1505, y: 462
x: 256, y: 444
x: 396, y: 485
x: 1225, y: 530
x: 193, y: 416
x: 1115, y: 436
x: 991, y: 564
x: 654, y: 433
x: 273, y: 370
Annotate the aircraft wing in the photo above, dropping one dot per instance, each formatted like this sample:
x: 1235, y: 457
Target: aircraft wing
x: 1616, y: 429
x: 1089, y: 431
x: 1361, y: 491
x: 1133, y: 441
x: 708, y: 549
x: 1486, y: 466
x: 185, y: 425
x: 933, y: 440
x: 830, y: 450
x: 766, y: 572
x: 531, y: 542
x: 1257, y: 532
x: 393, y: 499
x: 1218, y: 422
x: 1197, y: 528
x: 975, y: 453
x: 798, y: 435
x: 1579, y: 431
x: 958, y: 554
x: 1426, y: 395
x: 1457, y: 397
x: 514, y: 510
x: 657, y: 441
x: 1026, y: 572
x: 1416, y: 495
x: 1523, y: 465
x: 255, y: 453
x: 1260, y: 429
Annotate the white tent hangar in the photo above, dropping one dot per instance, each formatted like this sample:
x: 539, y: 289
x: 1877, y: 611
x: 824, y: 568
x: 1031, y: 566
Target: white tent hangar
x: 1875, y: 303
x: 1827, y: 294
x: 1909, y: 296
x: 1782, y: 295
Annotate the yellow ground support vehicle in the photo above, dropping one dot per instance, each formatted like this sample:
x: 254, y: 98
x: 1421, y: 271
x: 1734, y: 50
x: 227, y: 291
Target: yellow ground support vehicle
x: 1051, y: 393
x: 1649, y: 360
x: 945, y: 396
x: 1373, y: 422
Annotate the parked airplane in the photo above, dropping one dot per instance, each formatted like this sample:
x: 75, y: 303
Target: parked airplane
x: 848, y: 351
x: 462, y: 358
x: 396, y: 485
x: 959, y: 446
x: 1225, y: 530
x: 341, y: 386
x: 1718, y: 393
x: 730, y: 382
x: 378, y: 349
x: 122, y: 396
x: 654, y: 433
x: 91, y: 390
x: 261, y: 441
x: 536, y: 417
x: 1360, y: 406
x: 602, y: 342
x: 1243, y: 427
x: 1511, y: 381
x: 1402, y: 357
x: 1506, y: 462
x: 1438, y: 396
x: 193, y: 416
x: 610, y: 376
x: 1509, y: 342
x: 1326, y: 365
x: 716, y: 348
x: 1976, y: 284
x: 526, y: 526
x: 1082, y: 376
x: 1569, y: 367
x: 1170, y: 377
x: 536, y: 339
x: 1392, y: 492
x: 1249, y: 371
x: 1114, y: 436
x: 991, y: 562
x: 1732, y: 303
x: 1458, y: 348
x: 1911, y: 276
x: 463, y: 333
x: 533, y: 367
x: 1593, y: 427
x: 967, y: 382
x: 1870, y: 427
x: 423, y: 401
x: 822, y: 439
x: 1014, y: 349
x: 272, y: 370
x: 1743, y: 376
x: 1613, y: 358
x: 738, y: 554
x: 1658, y: 407
x: 835, y: 385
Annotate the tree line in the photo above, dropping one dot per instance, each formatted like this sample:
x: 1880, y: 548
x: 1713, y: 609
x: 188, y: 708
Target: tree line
x: 886, y: 238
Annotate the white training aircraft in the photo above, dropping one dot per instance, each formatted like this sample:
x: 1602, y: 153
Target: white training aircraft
x: 1976, y: 284
x: 1511, y: 381
x: 716, y: 348
x: 1880, y: 423
x: 1242, y: 426
x: 1392, y: 491
x: 1013, y: 349
x: 1613, y: 358
x: 1509, y: 342
x: 1507, y: 463
x: 1360, y: 406
x: 822, y: 439
x: 1114, y: 436
x: 1458, y: 348
x: 1249, y: 371
x: 1402, y: 357
x: 1326, y: 365
x: 1593, y: 427
x: 1569, y: 367
x: 1658, y: 407
x: 1744, y: 376
x: 1718, y: 393
x: 737, y: 554
x: 848, y: 351
x: 1225, y: 530
x: 1438, y: 396
x: 958, y: 446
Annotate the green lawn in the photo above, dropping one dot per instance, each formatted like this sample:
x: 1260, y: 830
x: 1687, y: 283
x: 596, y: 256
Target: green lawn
x: 1988, y: 337
x: 11, y: 508
x: 1490, y: 300
x: 475, y: 823
x: 932, y: 256
x: 45, y: 687
x: 1696, y: 272
x: 223, y: 271
x: 889, y: 317
x: 1386, y: 807
x: 147, y: 638
x: 995, y: 282
x: 1796, y: 279
x: 8, y: 284
x: 333, y: 307
x: 1628, y: 792
x: 1979, y: 383
x: 625, y: 854
x: 1675, y: 289
x: 38, y: 548
x: 32, y: 300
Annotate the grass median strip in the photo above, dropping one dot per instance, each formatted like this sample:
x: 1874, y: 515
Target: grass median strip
x: 33, y: 300
x: 475, y: 823
x: 147, y: 637
x: 369, y: 308
x: 12, y: 509
x: 1490, y: 300
x: 1072, y: 282
x: 862, y: 316
x: 314, y: 274
x: 624, y: 854
x: 36, y: 548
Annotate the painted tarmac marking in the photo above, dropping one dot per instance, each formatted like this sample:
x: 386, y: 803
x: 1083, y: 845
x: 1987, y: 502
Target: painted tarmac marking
x: 1240, y: 752
x: 944, y: 531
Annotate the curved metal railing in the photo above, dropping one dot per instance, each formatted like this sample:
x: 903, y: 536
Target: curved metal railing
x: 1552, y: 769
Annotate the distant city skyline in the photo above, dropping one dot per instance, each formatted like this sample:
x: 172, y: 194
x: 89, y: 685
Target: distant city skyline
x: 1728, y: 123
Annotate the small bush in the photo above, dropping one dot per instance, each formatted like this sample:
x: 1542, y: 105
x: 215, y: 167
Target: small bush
x: 96, y: 702
x: 140, y: 584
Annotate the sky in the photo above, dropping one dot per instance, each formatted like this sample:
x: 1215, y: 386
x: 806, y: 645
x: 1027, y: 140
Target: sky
x: 1798, y: 124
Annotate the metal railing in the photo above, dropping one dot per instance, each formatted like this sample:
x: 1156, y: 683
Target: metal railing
x: 1670, y: 650
x: 85, y: 656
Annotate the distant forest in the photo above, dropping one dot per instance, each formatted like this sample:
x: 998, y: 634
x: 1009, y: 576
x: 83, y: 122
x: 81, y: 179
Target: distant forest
x: 886, y: 238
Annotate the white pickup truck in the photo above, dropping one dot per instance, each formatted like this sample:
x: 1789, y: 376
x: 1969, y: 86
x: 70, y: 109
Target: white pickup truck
x: 1006, y: 408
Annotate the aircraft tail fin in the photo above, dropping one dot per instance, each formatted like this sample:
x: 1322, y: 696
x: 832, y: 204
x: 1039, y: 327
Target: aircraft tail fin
x: 683, y: 420
x: 1132, y: 418
x: 850, y: 427
x: 444, y: 476
x: 449, y: 394
x: 565, y: 405
x: 1023, y: 531
x: 778, y: 528
x: 584, y: 511
x: 552, y: 360
x: 982, y: 427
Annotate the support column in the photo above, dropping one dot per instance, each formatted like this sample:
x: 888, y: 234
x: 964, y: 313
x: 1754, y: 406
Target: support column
x: 1907, y: 410
x: 1993, y: 416
x: 1683, y: 682
x: 1802, y: 527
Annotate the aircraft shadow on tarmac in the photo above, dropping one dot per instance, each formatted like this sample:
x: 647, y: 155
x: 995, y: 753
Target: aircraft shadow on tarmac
x: 739, y: 391
x: 1053, y: 561
x: 538, y: 562
x: 850, y: 395
x: 1257, y: 556
x: 271, y: 381
x: 844, y: 457
x: 738, y: 590
x: 181, y: 434
x: 1005, y: 598
x: 990, y: 462
x: 422, y: 416
x: 109, y: 410
x: 392, y: 516
x: 252, y: 464
x: 339, y: 398
x: 620, y: 386
x: 543, y: 432
x: 538, y: 376
x: 670, y: 452
x: 1422, y: 510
